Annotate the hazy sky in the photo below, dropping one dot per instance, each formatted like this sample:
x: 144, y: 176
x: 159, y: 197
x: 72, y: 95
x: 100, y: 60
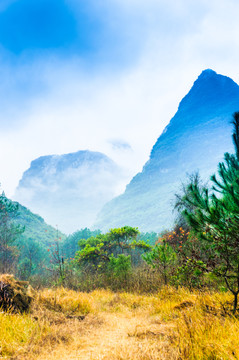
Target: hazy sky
x: 103, y: 75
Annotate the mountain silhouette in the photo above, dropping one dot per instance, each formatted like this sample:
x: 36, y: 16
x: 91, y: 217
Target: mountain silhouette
x: 195, y: 140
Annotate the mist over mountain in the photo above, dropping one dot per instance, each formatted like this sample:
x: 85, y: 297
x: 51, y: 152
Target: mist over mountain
x: 68, y: 190
x: 196, y: 139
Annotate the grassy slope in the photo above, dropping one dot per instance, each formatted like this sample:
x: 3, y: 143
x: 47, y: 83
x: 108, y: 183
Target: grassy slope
x: 173, y: 325
x: 36, y: 228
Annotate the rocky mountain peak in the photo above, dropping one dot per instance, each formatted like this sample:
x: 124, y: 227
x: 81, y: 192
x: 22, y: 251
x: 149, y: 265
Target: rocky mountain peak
x: 208, y: 91
x: 195, y: 139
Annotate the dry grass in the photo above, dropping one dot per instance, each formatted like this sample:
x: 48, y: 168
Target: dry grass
x: 207, y: 331
x: 16, y: 330
x: 102, y: 325
x: 66, y: 301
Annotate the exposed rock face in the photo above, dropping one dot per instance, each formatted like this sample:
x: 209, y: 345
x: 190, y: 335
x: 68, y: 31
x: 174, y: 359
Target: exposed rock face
x: 69, y: 190
x: 196, y: 139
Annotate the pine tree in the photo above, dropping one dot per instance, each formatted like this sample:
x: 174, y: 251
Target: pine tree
x: 215, y: 215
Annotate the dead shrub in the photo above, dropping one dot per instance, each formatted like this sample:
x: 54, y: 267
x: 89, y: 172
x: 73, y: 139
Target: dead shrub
x: 14, y: 295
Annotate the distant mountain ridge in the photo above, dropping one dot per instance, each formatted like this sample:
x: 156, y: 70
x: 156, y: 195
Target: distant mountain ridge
x: 195, y: 139
x: 57, y: 164
x: 69, y: 189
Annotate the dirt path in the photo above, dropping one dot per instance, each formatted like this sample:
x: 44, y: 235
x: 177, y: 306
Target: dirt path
x: 111, y: 336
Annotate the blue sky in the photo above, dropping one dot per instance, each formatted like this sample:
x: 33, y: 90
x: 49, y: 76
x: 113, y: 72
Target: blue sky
x: 42, y: 24
x: 65, y: 28
x: 93, y: 74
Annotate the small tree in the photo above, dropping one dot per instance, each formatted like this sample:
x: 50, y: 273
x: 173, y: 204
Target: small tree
x: 180, y: 205
x: 57, y: 260
x: 214, y: 216
x: 97, y: 251
x: 31, y: 258
x: 161, y: 257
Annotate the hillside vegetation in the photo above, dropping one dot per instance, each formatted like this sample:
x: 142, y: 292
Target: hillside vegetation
x: 36, y: 228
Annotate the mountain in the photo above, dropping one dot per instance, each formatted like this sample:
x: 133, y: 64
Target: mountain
x: 196, y: 139
x: 69, y: 189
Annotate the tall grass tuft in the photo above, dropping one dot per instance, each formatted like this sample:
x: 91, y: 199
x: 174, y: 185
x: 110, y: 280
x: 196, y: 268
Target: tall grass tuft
x: 67, y: 301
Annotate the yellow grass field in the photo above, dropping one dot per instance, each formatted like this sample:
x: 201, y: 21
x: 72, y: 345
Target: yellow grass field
x: 173, y: 324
